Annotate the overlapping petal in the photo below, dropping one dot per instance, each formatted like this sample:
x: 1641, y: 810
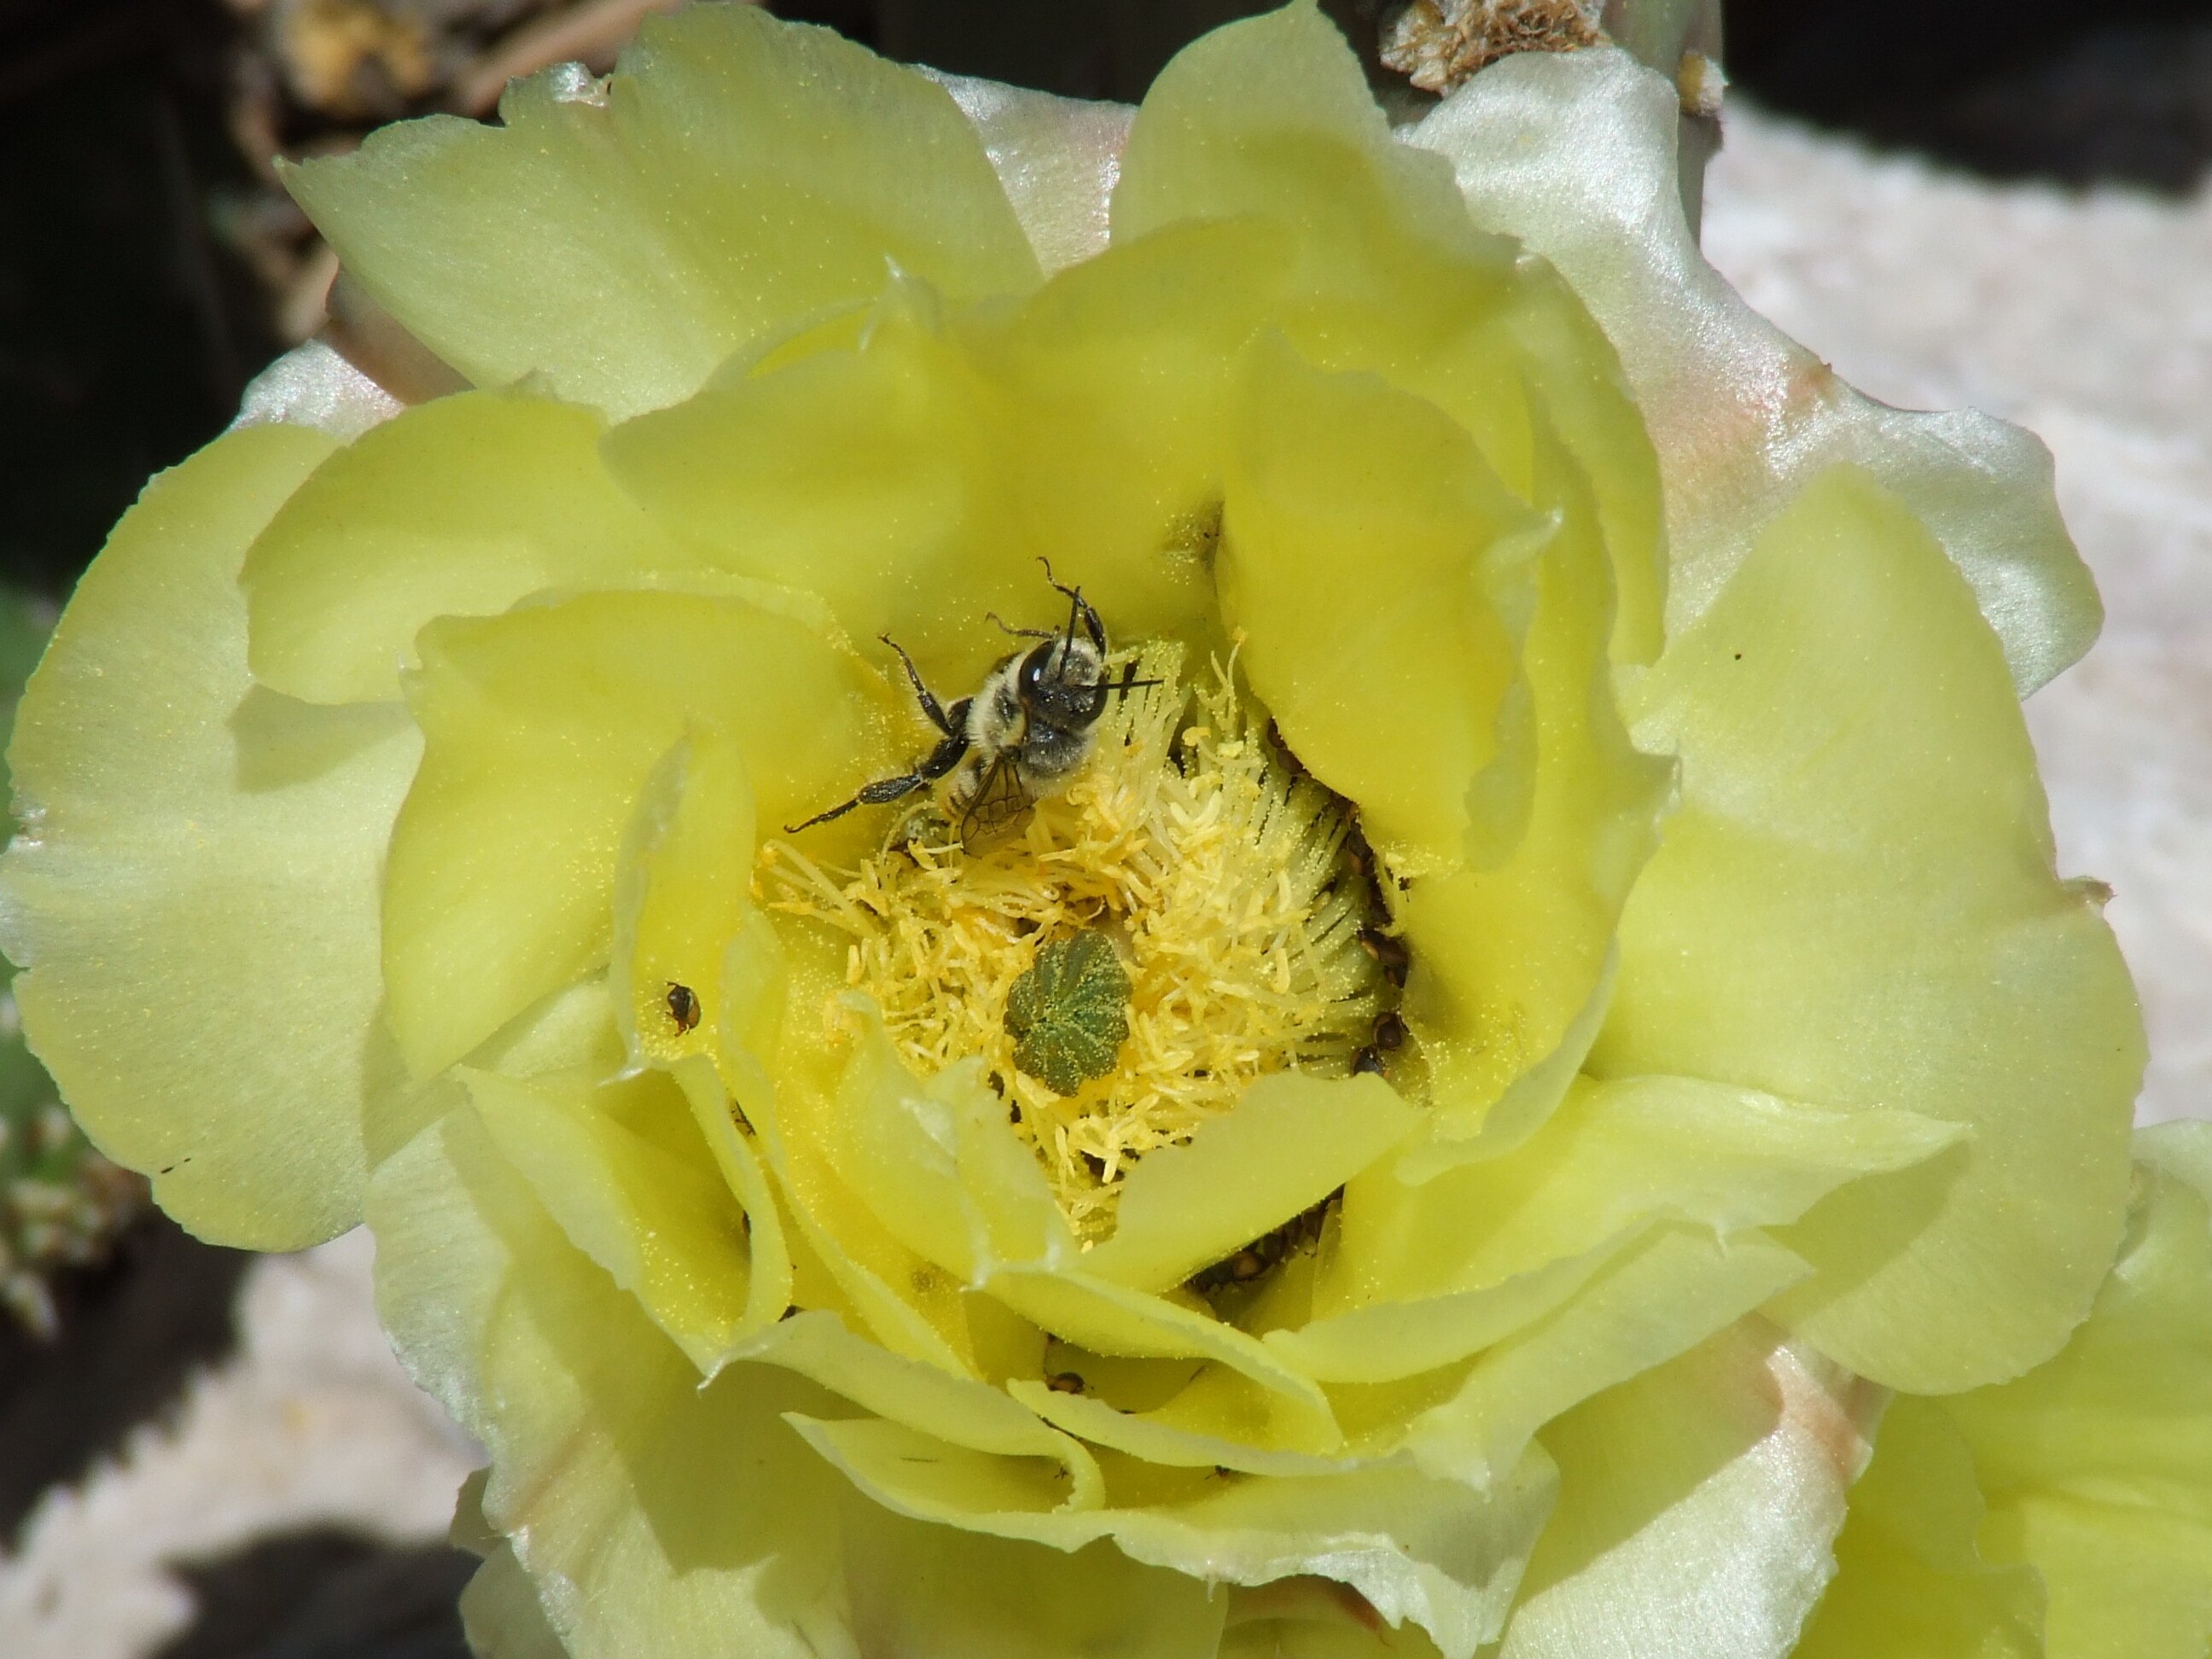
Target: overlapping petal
x: 458, y: 507
x: 540, y: 727
x: 912, y: 477
x: 622, y: 239
x: 1575, y: 153
x: 1861, y: 868
x: 1696, y: 1507
x: 1271, y: 117
x: 2068, y: 1512
x: 1912, y: 1581
x: 194, y: 892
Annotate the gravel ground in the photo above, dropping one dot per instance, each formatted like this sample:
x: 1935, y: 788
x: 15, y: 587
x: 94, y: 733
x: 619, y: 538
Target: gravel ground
x: 2087, y: 318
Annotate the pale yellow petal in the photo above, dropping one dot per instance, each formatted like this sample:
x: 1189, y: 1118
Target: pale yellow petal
x: 1290, y: 1141
x: 540, y: 728
x: 736, y: 174
x: 1697, y: 1506
x: 1575, y: 153
x: 598, y: 1428
x: 194, y: 891
x: 1433, y: 1554
x: 458, y: 507
x: 621, y: 1167
x: 1382, y: 576
x: 1855, y: 905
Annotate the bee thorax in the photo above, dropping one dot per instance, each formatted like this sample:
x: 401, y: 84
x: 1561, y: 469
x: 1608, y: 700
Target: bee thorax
x: 1050, y: 756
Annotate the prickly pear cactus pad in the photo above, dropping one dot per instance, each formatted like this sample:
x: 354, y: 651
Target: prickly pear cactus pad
x: 1203, y: 881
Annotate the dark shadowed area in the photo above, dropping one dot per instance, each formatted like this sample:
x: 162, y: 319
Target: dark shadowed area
x: 132, y: 1333
x: 325, y: 1593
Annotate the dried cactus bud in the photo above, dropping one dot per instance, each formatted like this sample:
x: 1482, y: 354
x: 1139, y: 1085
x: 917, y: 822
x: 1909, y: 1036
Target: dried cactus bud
x: 1437, y: 43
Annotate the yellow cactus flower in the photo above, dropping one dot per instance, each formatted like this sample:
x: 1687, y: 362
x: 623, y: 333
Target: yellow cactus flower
x: 1401, y: 1067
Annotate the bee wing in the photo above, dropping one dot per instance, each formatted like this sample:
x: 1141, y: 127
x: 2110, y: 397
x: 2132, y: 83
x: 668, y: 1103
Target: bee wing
x: 1000, y: 805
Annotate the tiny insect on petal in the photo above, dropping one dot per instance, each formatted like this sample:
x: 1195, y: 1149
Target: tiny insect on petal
x: 682, y: 1005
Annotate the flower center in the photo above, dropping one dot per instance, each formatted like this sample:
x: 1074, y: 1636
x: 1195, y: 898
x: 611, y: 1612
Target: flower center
x: 1191, y: 913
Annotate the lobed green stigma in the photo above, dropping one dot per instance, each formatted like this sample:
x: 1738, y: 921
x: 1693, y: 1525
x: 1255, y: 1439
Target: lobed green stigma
x: 1068, y: 1014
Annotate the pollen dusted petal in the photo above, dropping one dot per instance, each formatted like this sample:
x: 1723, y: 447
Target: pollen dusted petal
x: 622, y: 1169
x: 1290, y: 1141
x: 681, y: 895
x: 194, y: 892
x: 1860, y: 872
x: 739, y: 175
x: 1380, y: 575
x: 845, y: 1258
x: 770, y: 1278
x: 913, y: 478
x: 458, y: 507
x: 936, y: 1160
x: 540, y: 728
x: 1510, y: 958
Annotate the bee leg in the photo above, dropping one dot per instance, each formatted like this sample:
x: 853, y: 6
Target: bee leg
x: 948, y: 754
x: 930, y: 706
x: 1078, y: 609
x: 941, y: 760
x: 879, y: 793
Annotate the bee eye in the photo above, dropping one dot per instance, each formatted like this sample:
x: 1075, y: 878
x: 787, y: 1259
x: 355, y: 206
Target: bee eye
x: 1033, y: 667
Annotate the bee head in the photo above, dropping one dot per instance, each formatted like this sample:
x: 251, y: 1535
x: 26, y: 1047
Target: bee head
x: 1063, y: 683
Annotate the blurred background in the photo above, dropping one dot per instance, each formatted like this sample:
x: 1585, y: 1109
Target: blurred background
x: 1994, y: 203
x: 148, y: 266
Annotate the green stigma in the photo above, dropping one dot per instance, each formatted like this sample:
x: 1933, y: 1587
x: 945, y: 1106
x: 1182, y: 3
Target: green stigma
x: 1069, y: 1012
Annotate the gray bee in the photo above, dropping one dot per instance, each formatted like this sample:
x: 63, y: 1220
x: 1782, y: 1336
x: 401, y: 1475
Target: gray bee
x: 1026, y: 731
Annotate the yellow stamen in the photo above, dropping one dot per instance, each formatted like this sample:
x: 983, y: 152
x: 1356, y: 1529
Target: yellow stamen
x: 1225, y: 881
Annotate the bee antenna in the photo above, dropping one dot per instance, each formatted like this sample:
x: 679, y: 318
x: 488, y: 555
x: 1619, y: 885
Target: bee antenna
x: 1129, y: 682
x: 1078, y: 611
x: 1018, y: 633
